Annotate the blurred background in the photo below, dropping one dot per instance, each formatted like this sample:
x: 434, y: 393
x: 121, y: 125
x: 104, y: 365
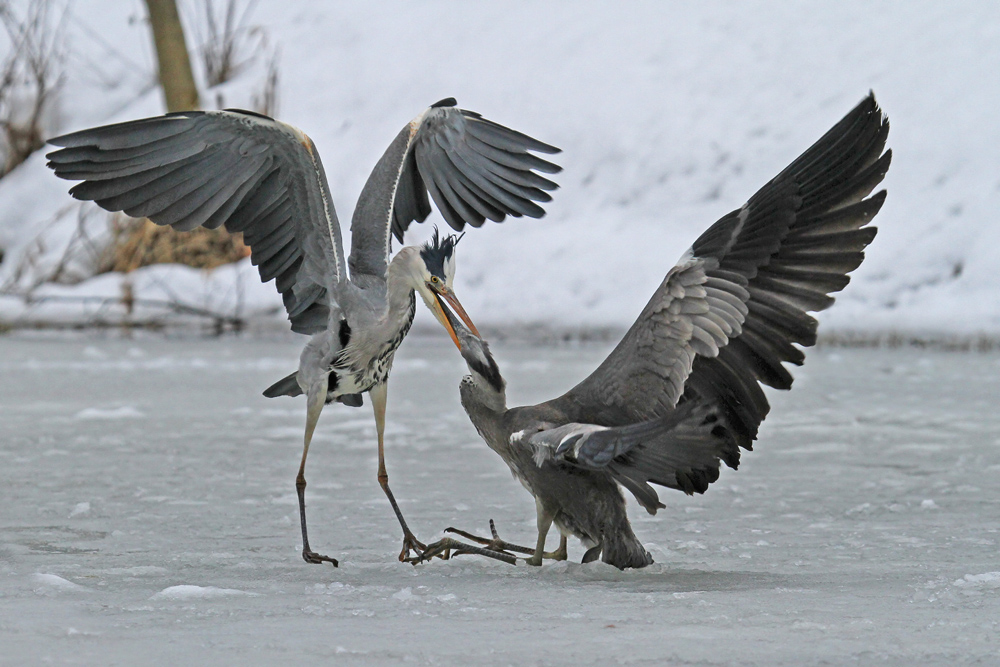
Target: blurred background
x: 669, y: 115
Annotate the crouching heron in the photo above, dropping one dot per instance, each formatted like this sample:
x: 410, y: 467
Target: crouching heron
x: 681, y: 392
x: 255, y: 175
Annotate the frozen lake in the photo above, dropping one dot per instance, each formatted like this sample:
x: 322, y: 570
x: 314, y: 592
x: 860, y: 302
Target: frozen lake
x: 148, y: 516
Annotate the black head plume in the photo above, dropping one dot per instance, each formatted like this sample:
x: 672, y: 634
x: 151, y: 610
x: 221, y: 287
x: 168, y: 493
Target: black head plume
x: 438, y: 250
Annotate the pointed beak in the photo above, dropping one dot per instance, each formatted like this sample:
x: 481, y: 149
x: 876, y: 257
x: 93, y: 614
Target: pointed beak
x: 444, y: 295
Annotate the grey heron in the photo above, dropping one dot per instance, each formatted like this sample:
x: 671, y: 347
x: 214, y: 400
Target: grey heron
x: 264, y: 178
x: 682, y: 390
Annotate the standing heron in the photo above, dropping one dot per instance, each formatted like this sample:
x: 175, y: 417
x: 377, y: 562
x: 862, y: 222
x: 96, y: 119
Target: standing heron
x: 255, y: 175
x: 681, y: 391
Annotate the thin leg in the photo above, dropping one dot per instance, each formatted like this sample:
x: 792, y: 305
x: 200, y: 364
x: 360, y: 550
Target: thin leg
x: 544, y: 523
x: 496, y: 547
x: 495, y: 544
x: 447, y: 547
x: 560, y: 553
x: 499, y: 544
x: 379, y: 394
x: 314, y: 406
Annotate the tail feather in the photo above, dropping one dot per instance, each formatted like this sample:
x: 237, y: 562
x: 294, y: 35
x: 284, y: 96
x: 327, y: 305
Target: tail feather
x: 623, y: 549
x: 286, y: 386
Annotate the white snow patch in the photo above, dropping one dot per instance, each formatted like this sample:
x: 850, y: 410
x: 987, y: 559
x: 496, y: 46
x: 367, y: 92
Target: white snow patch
x: 979, y: 581
x: 53, y: 583
x: 727, y: 94
x: 124, y: 412
x: 81, y: 509
x: 190, y: 592
x: 404, y: 595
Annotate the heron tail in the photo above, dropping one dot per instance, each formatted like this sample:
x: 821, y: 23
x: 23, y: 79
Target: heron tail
x: 286, y: 386
x: 289, y: 386
x: 621, y: 548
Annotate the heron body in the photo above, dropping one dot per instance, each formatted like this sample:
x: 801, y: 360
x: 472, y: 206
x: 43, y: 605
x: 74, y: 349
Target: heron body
x: 264, y: 178
x: 681, y: 393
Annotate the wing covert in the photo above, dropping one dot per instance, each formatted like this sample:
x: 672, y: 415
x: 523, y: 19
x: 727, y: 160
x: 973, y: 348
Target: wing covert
x: 681, y: 451
x: 230, y: 168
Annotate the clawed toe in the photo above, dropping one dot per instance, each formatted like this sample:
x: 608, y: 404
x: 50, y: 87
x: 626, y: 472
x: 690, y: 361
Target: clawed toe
x: 310, y: 556
x: 447, y: 548
x: 496, y: 543
x: 411, y: 543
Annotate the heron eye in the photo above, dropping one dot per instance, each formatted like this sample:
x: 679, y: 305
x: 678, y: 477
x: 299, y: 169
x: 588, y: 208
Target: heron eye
x: 434, y: 279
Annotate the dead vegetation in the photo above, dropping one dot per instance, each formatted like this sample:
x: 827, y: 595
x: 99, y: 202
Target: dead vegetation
x: 229, y: 46
x: 137, y: 243
x: 31, y: 74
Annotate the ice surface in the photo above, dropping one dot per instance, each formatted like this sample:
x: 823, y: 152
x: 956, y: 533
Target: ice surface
x: 189, y: 592
x: 821, y: 548
x: 124, y: 412
x: 670, y: 115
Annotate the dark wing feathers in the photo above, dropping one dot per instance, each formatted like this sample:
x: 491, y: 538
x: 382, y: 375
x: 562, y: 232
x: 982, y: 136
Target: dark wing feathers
x: 474, y: 169
x: 765, y: 266
x: 823, y: 243
x: 680, y: 451
x: 244, y: 171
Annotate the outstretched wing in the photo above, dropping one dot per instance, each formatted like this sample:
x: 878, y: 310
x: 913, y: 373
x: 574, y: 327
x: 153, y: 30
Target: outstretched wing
x: 474, y: 169
x: 235, y: 168
x: 730, y: 313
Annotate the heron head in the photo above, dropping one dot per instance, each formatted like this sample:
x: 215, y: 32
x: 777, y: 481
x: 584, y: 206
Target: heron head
x: 434, y: 274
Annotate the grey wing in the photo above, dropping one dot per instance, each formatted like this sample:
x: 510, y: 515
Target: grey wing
x: 728, y: 316
x: 474, y: 169
x: 245, y: 171
x: 680, y: 451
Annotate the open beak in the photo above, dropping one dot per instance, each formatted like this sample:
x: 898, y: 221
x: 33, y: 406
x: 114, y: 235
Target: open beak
x: 444, y: 295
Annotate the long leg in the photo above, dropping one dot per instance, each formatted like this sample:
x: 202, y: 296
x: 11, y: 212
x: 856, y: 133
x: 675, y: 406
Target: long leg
x: 560, y: 553
x: 496, y: 543
x: 447, y: 548
x: 496, y: 547
x: 315, y: 399
x: 544, y: 523
x: 378, y: 394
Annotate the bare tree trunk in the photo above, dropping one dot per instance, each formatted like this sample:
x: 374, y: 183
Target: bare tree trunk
x: 171, y: 52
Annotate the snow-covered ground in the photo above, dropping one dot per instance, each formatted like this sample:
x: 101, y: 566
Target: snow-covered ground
x: 149, y: 517
x: 670, y: 115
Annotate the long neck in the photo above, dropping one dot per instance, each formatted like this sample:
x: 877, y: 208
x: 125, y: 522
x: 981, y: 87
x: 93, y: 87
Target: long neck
x: 383, y: 329
x: 376, y: 201
x: 484, y: 387
x: 399, y: 285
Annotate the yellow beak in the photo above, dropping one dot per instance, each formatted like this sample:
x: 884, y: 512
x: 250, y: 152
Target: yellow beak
x: 445, y: 294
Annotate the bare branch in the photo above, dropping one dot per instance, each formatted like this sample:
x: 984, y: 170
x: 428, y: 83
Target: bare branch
x: 30, y: 77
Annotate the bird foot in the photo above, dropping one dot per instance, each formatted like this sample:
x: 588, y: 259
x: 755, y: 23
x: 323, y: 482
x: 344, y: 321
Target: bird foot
x: 411, y: 543
x: 310, y: 556
x: 448, y: 547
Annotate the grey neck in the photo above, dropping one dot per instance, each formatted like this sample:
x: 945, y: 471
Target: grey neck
x: 484, y: 385
x: 398, y: 285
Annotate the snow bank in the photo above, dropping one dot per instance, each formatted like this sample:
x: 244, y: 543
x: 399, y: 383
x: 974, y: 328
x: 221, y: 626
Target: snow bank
x: 124, y: 412
x: 189, y: 592
x: 979, y: 581
x: 53, y: 583
x: 670, y: 115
